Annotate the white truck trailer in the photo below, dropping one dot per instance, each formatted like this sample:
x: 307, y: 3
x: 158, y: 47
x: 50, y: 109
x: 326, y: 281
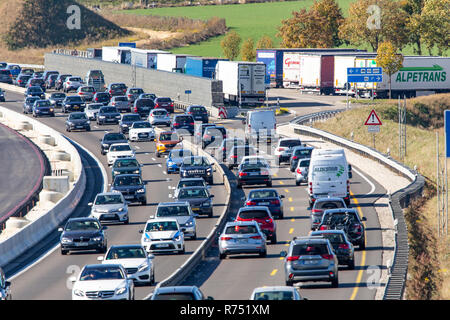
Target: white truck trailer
x: 171, y: 62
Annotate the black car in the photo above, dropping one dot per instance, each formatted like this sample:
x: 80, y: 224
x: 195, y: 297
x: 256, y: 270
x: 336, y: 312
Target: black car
x: 6, y: 76
x: 51, y: 81
x: 82, y: 234
x: 36, y: 82
x: 199, y: 113
x: 47, y: 74
x: 22, y: 80
x: 109, y: 139
x: 28, y: 104
x: 183, y: 123
x: 116, y: 89
x: 102, y: 97
x: 78, y: 121
x: 197, y: 167
x: 126, y: 166
x: 199, y: 199
x: 2, y: 95
x: 35, y: 92
x: 56, y: 99
x: 73, y: 103
x: 213, y: 137
x: 60, y: 81
x: 268, y: 198
x: 108, y: 114
x: 43, y: 108
x: 143, y: 106
x: 297, y: 154
x: 253, y: 173
x: 131, y: 186
x: 127, y: 120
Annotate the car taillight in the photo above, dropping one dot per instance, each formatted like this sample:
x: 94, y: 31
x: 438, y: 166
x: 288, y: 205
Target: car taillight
x: 171, y: 104
x: 243, y: 174
x: 176, y: 124
x: 157, y: 105
x: 225, y: 238
x: 110, y: 91
x: 328, y: 256
x: 96, y: 99
x: 344, y: 246
x: 190, y: 112
x: 275, y: 202
x: 250, y: 203
x: 264, y: 173
x: 135, y: 109
x: 206, y: 136
x: 280, y: 149
x: 323, y: 228
x: 130, y: 95
x: 191, y: 123
x: 234, y: 156
x: 292, y: 258
x: 113, y: 103
x: 294, y: 158
x: 316, y: 211
x: 299, y: 171
x: 311, y: 189
x: 256, y: 237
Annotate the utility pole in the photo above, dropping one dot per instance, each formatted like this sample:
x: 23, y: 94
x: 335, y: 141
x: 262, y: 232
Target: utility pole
x: 402, y: 129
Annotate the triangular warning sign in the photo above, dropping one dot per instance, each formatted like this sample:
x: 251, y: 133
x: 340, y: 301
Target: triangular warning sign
x: 373, y: 119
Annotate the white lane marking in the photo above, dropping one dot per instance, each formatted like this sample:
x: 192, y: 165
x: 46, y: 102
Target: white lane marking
x: 164, y: 172
x: 367, y: 180
x: 159, y: 165
x: 137, y: 147
x: 153, y: 159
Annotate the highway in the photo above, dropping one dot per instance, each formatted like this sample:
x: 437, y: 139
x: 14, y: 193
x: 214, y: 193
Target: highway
x: 49, y: 278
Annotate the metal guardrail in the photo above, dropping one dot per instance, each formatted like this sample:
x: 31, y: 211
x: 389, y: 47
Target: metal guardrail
x: 309, y: 118
x: 75, y: 52
x: 399, y: 200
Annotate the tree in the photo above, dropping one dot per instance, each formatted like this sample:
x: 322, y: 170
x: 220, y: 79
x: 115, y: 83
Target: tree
x: 389, y: 60
x: 414, y: 10
x: 265, y: 42
x: 435, y: 25
x: 248, y: 52
x: 374, y: 24
x: 316, y: 28
x: 230, y: 45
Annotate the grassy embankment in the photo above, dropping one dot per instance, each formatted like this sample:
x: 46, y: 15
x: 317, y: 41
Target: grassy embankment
x: 429, y: 268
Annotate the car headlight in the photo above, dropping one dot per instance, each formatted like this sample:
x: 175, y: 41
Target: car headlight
x: 66, y: 240
x: 116, y: 172
x: 121, y: 290
x: 97, y: 238
x: 147, y: 240
x: 117, y: 117
x: 78, y: 292
x: 105, y: 145
x: 88, y: 122
x: 190, y: 223
x: 70, y: 123
x: 143, y: 267
x: 51, y: 110
x: 141, y: 191
x: 120, y: 209
x: 124, y: 125
x: 101, y: 117
x: 136, y: 171
x: 207, y: 204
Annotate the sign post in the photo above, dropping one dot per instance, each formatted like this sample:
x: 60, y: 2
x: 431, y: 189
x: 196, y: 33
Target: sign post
x: 188, y: 92
x: 373, y: 124
x: 447, y: 155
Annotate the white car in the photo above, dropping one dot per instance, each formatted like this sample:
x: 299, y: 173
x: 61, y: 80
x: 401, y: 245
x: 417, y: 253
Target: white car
x: 72, y: 83
x: 119, y: 150
x: 102, y: 282
x: 283, y: 150
x: 163, y: 235
x: 110, y: 207
x: 159, y: 116
x: 137, y: 263
x: 276, y: 293
x: 92, y: 109
x: 141, y: 131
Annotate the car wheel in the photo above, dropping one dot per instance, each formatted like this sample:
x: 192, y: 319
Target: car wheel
x: 127, y: 221
x: 222, y: 256
x: 239, y: 186
x: 194, y: 237
x: 88, y: 129
x: 64, y: 252
x: 273, y: 239
x: 103, y: 250
x: 289, y: 283
x: 269, y: 184
x: 362, y: 245
x: 263, y: 254
x: 67, y: 129
x: 182, y: 251
x: 144, y: 203
x: 158, y: 155
x: 335, y: 283
x: 210, y: 214
x: 297, y: 182
x: 351, y: 265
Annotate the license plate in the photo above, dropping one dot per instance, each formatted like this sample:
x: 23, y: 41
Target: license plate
x: 109, y: 215
x: 264, y: 203
x: 162, y: 245
x: 310, y: 262
x: 79, y: 127
x: 144, y: 108
x: 195, y: 209
x: 253, y: 173
x: 76, y: 107
x: 243, y: 240
x: 129, y: 197
x: 81, y: 244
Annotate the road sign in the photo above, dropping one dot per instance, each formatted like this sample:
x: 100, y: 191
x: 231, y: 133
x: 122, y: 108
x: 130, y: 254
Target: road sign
x: 127, y: 44
x: 373, y: 129
x: 223, y: 113
x: 373, y: 119
x: 365, y: 74
x: 187, y: 91
x: 447, y: 132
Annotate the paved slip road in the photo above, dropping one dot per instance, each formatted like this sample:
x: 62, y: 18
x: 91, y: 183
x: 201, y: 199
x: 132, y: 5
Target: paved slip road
x: 22, y: 169
x: 49, y: 278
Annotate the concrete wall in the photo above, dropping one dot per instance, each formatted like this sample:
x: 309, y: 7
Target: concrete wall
x: 205, y: 92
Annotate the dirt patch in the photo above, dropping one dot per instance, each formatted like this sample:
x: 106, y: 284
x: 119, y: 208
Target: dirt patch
x: 152, y: 35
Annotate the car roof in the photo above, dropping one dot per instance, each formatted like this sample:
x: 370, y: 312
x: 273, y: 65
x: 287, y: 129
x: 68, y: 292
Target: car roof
x: 252, y: 208
x: 302, y: 148
x: 109, y: 193
x: 83, y: 219
x: 263, y: 190
x: 126, y: 246
x: 121, y: 144
x: 274, y: 288
x: 175, y: 289
x: 77, y: 112
x: 241, y: 223
x: 127, y: 175
x: 329, y: 199
x: 170, y: 204
x: 194, y: 187
x: 319, y: 232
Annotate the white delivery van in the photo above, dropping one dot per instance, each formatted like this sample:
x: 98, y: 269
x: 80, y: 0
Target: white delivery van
x: 321, y: 152
x: 328, y: 177
x: 260, y: 126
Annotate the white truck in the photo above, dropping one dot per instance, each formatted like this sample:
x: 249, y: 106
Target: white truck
x: 243, y: 82
x: 291, y: 69
x: 116, y: 54
x: 171, y: 62
x: 341, y: 63
x: 260, y: 126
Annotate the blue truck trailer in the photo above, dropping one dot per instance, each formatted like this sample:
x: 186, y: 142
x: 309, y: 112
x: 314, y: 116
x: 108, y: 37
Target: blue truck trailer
x: 201, y: 66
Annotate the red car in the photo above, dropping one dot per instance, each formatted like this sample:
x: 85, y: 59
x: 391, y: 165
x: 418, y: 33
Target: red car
x: 262, y: 216
x: 164, y: 103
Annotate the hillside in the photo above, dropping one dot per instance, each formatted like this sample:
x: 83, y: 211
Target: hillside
x: 42, y: 23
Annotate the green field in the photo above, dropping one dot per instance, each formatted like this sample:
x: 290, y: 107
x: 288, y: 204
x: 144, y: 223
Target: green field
x: 248, y: 20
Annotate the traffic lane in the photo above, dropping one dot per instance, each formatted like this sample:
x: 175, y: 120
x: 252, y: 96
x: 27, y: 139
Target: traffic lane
x: 165, y: 264
x: 22, y: 169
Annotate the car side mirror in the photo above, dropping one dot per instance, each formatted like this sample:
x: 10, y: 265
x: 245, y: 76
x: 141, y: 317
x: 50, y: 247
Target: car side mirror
x: 305, y: 299
x: 283, y: 254
x: 195, y: 215
x: 60, y: 229
x: 363, y: 219
x: 211, y: 196
x: 209, y: 298
x: 100, y: 258
x: 104, y: 228
x: 141, y: 165
x: 151, y: 256
x: 183, y: 229
x: 282, y: 196
x: 141, y: 231
x: 152, y: 217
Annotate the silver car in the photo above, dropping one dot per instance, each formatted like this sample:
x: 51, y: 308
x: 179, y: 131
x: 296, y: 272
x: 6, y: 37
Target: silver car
x: 301, y: 172
x: 276, y: 293
x: 310, y: 259
x: 180, y: 211
x: 72, y: 83
x: 158, y: 117
x: 121, y: 103
x: 242, y: 237
x: 92, y: 109
x: 86, y: 92
x: 110, y: 207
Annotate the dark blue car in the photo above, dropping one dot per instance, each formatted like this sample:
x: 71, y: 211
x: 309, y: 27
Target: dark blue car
x: 175, y: 159
x: 268, y: 198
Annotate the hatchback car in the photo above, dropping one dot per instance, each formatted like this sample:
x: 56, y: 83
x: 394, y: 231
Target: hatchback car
x: 199, y: 113
x: 43, y: 108
x: 36, y: 82
x: 110, y: 207
x: 22, y: 80
x: 133, y: 93
x: 263, y: 217
x: 242, y: 237
x: 199, y: 199
x: 182, y: 212
x: 310, y: 259
x: 341, y: 246
x: 159, y: 117
x: 166, y: 141
x: 162, y: 235
x: 116, y: 89
x: 72, y: 84
x: 175, y: 159
x: 178, y: 293
x: 302, y: 170
x: 28, y: 104
x: 183, y: 124
x: 254, y: 173
x: 121, y: 103
x: 322, y: 204
x: 80, y: 234
x: 127, y: 120
x: 141, y: 131
x: 92, y: 110
x: 108, y: 115
x: 73, y: 103
x: 283, y: 150
x: 102, y: 97
x: 197, y: 167
x: 237, y: 153
x: 102, y: 282
x: 78, y: 121
x: 126, y: 166
x: 299, y: 153
x: 131, y: 186
x: 57, y: 98
x: 109, y: 139
x: 143, y: 107
x: 276, y: 293
x: 137, y: 263
x: 6, y: 76
x: 119, y: 151
x: 164, y: 103
x: 86, y: 93
x: 268, y: 198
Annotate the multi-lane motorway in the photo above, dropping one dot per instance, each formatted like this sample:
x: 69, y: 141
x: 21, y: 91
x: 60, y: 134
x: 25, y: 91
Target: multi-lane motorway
x: 233, y: 278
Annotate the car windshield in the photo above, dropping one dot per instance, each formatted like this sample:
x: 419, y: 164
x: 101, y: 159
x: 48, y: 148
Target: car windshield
x: 161, y: 226
x: 308, y: 249
x: 175, y: 296
x: 274, y: 295
x: 35, y: 89
x: 94, y: 107
x: 159, y: 113
x: 41, y: 104
x: 108, y: 110
x: 74, y: 99
x: 168, y: 137
x: 253, y: 214
x: 180, y: 153
x: 183, y: 119
x: 75, y: 79
x: 193, y: 193
x: 127, y: 181
x: 141, y: 125
x: 77, y: 116
x: 87, y: 89
x: 108, y: 199
x: 333, y: 237
x: 290, y: 143
x: 196, y: 161
x: 82, y: 225
x: 263, y: 194
x: 114, y: 136
x: 168, y: 211
x: 339, y: 218
x: 193, y: 183
x: 125, y: 253
x: 58, y: 95
x: 322, y: 205
x: 303, y: 153
x: 131, y: 117
x: 136, y: 90
x: 32, y: 100
x: 164, y: 100
x: 148, y: 96
x: 126, y: 163
x: 241, y: 230
x: 304, y: 163
x: 124, y: 147
x: 102, y: 273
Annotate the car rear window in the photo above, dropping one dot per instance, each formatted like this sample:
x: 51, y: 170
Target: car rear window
x: 109, y: 110
x: 305, y: 153
x: 75, y: 79
x: 120, y: 98
x: 309, y: 249
x: 118, y: 86
x: 175, y: 296
x: 5, y: 72
x: 172, y: 211
x: 87, y: 89
x: 164, y: 100
x: 159, y: 113
x: 131, y: 117
x: 183, y: 119
x: 290, y: 143
x: 136, y: 90
x: 102, y: 95
x: 241, y: 230
x: 198, y: 109
x: 74, y: 99
x: 263, y: 194
x: 115, y: 136
x: 145, y: 102
x: 215, y: 131
x: 304, y: 163
x: 333, y: 237
x: 328, y: 205
x: 253, y: 214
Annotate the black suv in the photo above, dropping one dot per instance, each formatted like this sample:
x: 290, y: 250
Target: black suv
x: 109, y: 139
x: 73, y: 103
x: 126, y: 166
x: 143, y: 106
x: 253, y: 173
x: 35, y: 92
x: 82, y: 234
x: 183, y: 123
x: 102, y: 97
x: 198, y: 112
x: 108, y: 114
x: 198, y: 198
x: 131, y: 186
x: 127, y: 120
x: 43, y: 107
x: 78, y: 121
x: 197, y: 167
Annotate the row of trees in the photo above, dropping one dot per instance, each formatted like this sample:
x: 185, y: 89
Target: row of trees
x: 231, y: 46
